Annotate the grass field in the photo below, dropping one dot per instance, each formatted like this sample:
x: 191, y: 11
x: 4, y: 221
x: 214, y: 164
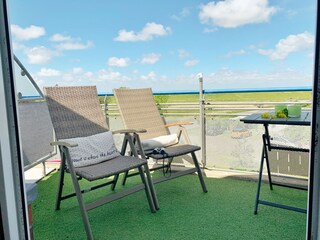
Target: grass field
x: 225, y: 97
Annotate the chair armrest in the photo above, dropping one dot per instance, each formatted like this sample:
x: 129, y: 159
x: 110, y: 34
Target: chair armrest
x: 140, y: 130
x: 181, y: 130
x: 64, y: 144
x: 178, y: 124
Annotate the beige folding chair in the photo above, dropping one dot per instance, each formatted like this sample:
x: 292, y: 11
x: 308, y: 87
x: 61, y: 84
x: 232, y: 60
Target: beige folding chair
x: 84, y: 142
x: 139, y: 111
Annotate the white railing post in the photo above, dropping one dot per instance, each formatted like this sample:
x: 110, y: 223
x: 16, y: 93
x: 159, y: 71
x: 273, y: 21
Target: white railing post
x: 105, y: 108
x: 202, y: 121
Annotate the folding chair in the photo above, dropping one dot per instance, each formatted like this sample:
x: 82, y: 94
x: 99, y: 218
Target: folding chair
x: 87, y: 148
x: 139, y: 111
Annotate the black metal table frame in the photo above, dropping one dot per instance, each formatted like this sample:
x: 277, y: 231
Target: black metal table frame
x: 267, y: 146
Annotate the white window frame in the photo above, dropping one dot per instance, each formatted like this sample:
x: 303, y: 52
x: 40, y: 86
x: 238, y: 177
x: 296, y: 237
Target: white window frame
x: 12, y: 197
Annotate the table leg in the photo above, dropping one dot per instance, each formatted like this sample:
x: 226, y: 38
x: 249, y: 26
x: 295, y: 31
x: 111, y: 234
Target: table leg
x: 265, y: 150
x: 259, y: 181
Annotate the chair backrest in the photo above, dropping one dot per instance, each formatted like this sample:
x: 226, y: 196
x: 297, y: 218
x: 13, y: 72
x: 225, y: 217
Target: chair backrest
x: 75, y: 111
x: 139, y: 110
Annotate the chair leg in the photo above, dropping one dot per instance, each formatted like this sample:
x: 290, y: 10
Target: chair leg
x: 61, y: 183
x: 124, y: 179
x: 77, y: 189
x: 147, y: 190
x: 203, y: 185
x: 151, y: 186
x: 127, y: 140
x: 83, y: 210
x: 168, y: 165
x: 115, y: 180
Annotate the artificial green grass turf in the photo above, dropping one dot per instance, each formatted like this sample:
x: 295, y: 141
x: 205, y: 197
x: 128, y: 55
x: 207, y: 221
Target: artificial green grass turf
x: 225, y: 212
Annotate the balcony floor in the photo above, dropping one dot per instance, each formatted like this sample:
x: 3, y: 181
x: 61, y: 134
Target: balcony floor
x: 225, y: 212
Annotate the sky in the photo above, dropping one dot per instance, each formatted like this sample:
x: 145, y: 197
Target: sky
x: 165, y: 44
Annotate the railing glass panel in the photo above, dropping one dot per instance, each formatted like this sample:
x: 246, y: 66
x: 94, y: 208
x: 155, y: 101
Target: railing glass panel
x: 25, y: 86
x: 35, y: 127
x: 231, y: 144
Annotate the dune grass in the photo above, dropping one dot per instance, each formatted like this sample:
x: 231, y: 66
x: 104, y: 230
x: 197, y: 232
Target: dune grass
x: 225, y: 212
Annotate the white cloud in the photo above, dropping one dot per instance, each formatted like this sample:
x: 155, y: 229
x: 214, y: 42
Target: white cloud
x: 17, y: 46
x: 74, y: 45
x: 104, y: 79
x: 235, y: 53
x: 69, y: 43
x: 107, y: 79
x: 151, y: 76
x: 60, y: 38
x: 39, y: 55
x: 209, y: 30
x: 149, y: 31
x: 78, y: 75
x: 290, y: 44
x: 118, y: 62
x: 235, y: 13
x: 255, y: 79
x: 151, y: 58
x: 89, y: 75
x: 77, y: 70
x: 48, y: 72
x: 191, y: 63
x: 184, y: 13
x: 110, y: 75
x: 31, y: 32
x: 183, y: 54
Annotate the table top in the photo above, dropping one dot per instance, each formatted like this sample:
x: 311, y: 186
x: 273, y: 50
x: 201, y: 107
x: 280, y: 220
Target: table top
x: 303, y: 120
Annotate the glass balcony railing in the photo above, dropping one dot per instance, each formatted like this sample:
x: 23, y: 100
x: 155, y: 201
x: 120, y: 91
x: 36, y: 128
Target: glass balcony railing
x: 231, y: 144
x: 36, y: 131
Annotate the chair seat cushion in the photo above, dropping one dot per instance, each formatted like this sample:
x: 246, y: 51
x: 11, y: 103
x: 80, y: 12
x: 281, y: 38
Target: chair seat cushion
x: 162, y: 141
x: 92, y: 149
x: 108, y: 168
x: 175, y: 151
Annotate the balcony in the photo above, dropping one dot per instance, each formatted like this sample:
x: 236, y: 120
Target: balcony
x: 232, y: 156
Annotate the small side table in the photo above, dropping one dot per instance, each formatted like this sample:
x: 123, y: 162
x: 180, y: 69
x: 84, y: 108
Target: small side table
x: 303, y: 120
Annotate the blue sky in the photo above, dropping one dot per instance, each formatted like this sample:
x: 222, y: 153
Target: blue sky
x: 165, y: 44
